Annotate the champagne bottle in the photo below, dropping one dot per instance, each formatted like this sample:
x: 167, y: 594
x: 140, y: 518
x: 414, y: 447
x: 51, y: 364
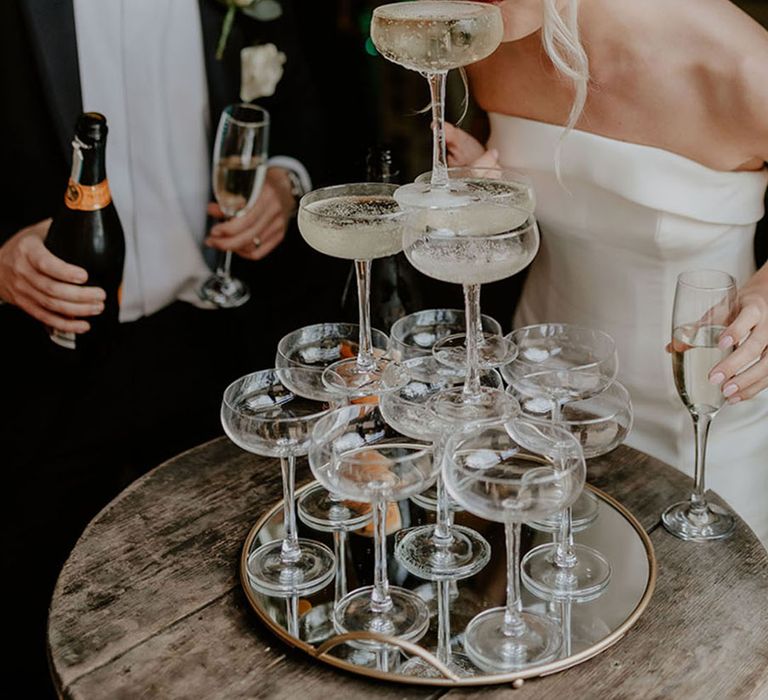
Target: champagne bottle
x: 87, y: 232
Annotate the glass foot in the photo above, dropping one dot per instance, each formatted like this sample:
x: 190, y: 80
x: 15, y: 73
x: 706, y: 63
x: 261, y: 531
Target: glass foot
x: 583, y: 581
x: 492, y: 352
x: 454, y: 406
x: 269, y: 574
x: 585, y: 511
x: 491, y: 650
x: 459, y: 664
x: 466, y: 553
x: 348, y: 378
x: 712, y: 523
x: 408, y: 618
x: 225, y: 292
x: 317, y: 509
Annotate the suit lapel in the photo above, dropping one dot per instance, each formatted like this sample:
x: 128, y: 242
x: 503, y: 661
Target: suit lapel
x: 52, y: 32
x: 223, y: 76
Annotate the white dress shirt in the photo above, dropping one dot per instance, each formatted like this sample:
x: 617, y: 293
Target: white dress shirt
x: 142, y: 66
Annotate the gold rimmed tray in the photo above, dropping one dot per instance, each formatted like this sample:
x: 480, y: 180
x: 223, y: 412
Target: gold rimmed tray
x: 591, y: 627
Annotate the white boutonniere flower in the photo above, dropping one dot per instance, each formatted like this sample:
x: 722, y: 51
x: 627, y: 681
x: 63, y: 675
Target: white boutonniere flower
x: 261, y: 68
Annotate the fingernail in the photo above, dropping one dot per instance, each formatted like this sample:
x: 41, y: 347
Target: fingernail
x: 730, y: 390
x: 734, y: 400
x: 717, y: 378
x: 81, y: 277
x: 725, y: 342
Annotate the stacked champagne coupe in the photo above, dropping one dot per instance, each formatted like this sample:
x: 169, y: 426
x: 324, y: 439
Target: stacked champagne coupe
x: 423, y: 415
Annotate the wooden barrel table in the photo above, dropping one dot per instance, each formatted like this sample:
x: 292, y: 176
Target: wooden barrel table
x: 149, y: 603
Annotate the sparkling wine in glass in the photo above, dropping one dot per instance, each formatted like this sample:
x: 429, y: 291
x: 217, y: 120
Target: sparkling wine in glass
x: 357, y: 222
x: 239, y: 169
x: 705, y: 304
x: 433, y: 37
x: 474, y: 239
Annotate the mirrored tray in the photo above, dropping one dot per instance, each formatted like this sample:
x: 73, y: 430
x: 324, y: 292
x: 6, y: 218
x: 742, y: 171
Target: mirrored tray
x: 588, y: 627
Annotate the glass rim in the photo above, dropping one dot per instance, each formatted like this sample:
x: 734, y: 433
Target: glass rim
x: 707, y: 288
x: 354, y: 335
x: 353, y: 456
x: 323, y: 193
x: 227, y: 399
x: 595, y: 331
x: 480, y: 6
x: 613, y: 384
x: 402, y: 321
x: 246, y: 106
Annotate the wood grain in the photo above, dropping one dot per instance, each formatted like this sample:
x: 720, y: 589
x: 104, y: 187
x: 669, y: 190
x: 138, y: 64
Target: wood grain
x: 149, y: 603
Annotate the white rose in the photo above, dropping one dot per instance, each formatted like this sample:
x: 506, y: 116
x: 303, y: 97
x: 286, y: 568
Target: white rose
x: 261, y: 68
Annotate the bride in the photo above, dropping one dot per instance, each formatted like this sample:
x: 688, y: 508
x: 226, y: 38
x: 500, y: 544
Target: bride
x: 660, y: 169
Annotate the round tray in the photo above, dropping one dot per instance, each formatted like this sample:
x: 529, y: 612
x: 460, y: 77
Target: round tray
x: 594, y: 625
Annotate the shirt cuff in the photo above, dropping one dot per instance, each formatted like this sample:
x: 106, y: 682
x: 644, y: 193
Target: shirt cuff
x: 295, y: 166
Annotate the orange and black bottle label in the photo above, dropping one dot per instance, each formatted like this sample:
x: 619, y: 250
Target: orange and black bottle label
x: 87, y: 197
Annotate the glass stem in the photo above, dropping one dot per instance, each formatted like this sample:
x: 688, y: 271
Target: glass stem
x: 472, y: 307
x: 365, y: 346
x: 701, y: 423
x: 442, y: 533
x: 437, y: 98
x: 225, y: 265
x: 564, y: 557
x: 292, y: 615
x: 290, y: 551
x: 514, y: 625
x: 340, y: 551
x: 380, y: 600
x: 444, y: 621
x: 565, y: 626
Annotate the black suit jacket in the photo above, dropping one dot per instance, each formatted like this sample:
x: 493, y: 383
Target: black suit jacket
x: 40, y: 98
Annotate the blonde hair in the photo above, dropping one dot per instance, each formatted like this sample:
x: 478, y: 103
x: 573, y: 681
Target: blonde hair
x: 560, y: 36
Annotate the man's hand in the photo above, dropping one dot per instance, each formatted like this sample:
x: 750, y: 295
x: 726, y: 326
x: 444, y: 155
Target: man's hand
x: 258, y: 231
x: 46, y: 287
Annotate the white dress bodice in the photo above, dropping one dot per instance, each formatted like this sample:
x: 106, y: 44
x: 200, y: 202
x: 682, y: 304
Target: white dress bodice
x: 626, y: 220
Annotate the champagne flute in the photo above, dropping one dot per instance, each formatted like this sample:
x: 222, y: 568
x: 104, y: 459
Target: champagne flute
x: 705, y: 304
x: 239, y: 168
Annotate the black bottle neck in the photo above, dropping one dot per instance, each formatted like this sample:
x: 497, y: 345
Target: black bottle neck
x: 89, y: 162
x: 380, y: 166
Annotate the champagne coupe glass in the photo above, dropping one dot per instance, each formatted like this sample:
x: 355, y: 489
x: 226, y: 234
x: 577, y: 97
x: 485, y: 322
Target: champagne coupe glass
x: 706, y: 302
x: 261, y: 414
x: 600, y: 424
x: 353, y: 456
x: 415, y: 335
x: 479, y: 239
x: 506, y: 188
x: 359, y: 222
x: 239, y: 168
x: 505, y: 472
x: 558, y: 363
x: 319, y: 346
x: 431, y: 38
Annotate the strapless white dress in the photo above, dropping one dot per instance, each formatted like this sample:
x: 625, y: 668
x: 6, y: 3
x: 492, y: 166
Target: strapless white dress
x: 632, y: 218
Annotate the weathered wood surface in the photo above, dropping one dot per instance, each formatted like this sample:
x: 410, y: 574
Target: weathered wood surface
x: 149, y: 603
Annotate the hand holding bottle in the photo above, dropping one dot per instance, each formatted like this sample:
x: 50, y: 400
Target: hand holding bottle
x: 43, y: 285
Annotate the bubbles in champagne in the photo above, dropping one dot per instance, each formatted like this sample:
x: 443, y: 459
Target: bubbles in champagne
x: 436, y: 36
x: 354, y: 227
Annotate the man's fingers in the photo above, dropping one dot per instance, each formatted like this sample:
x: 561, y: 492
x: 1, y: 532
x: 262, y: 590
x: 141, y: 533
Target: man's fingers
x: 61, y: 323
x: 263, y: 232
x: 74, y: 293
x: 256, y: 217
x: 61, y: 306
x: 48, y: 264
x: 214, y: 210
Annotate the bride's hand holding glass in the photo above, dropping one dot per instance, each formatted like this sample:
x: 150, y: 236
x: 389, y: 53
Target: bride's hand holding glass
x: 751, y: 322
